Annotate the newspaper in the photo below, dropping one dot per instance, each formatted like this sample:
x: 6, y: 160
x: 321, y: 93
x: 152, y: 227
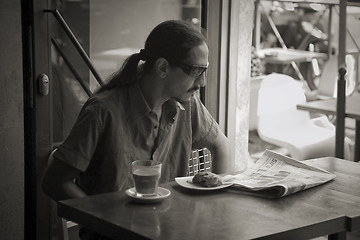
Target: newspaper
x: 275, y: 175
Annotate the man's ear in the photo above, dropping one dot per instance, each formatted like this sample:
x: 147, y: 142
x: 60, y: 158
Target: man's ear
x: 161, y: 65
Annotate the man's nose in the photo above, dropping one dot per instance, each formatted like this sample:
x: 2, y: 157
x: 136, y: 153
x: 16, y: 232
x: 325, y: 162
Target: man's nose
x: 201, y: 80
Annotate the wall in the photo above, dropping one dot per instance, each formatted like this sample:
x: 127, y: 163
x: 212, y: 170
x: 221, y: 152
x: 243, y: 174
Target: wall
x: 11, y: 123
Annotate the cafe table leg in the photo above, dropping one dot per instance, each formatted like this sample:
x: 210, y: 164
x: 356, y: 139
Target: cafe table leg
x: 337, y: 236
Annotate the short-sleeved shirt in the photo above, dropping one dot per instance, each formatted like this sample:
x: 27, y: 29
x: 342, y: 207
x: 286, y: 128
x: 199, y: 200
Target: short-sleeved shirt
x: 116, y: 127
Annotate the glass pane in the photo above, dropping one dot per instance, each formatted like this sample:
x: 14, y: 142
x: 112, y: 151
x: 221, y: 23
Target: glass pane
x: 108, y: 31
x: 119, y: 28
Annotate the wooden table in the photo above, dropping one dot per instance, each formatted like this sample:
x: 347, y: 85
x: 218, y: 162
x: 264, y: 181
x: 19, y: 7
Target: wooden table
x: 329, y: 209
x: 328, y: 106
x: 342, y: 195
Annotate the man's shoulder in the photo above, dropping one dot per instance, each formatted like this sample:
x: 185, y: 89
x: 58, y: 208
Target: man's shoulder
x: 109, y: 99
x: 111, y: 96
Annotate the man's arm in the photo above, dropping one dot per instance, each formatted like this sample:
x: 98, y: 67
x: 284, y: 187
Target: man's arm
x: 221, y: 154
x: 58, y: 182
x: 207, y: 133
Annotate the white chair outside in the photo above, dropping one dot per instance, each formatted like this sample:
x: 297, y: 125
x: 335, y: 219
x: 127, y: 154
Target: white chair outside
x: 282, y: 124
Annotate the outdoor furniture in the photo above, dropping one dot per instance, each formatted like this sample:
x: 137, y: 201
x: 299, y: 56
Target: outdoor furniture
x: 328, y: 106
x: 281, y: 124
x: 200, y: 160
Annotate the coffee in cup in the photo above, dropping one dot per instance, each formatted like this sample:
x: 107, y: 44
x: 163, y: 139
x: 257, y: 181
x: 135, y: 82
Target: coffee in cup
x: 146, y: 175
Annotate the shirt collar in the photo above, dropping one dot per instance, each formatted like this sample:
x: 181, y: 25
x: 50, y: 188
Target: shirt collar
x: 138, y: 104
x: 179, y: 105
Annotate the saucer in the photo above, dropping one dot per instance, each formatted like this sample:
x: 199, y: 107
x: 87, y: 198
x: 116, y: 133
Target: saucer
x: 162, y: 194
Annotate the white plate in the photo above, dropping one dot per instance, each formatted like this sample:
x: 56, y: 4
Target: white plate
x: 186, y: 182
x: 162, y: 194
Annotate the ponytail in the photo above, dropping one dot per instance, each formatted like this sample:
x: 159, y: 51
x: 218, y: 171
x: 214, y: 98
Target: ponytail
x: 125, y: 75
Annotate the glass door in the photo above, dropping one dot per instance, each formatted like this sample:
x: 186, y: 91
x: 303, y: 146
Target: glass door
x: 73, y: 46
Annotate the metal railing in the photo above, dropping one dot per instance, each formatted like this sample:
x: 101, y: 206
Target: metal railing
x: 77, y: 45
x: 71, y: 68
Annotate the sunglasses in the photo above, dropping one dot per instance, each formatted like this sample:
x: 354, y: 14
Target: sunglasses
x: 192, y: 70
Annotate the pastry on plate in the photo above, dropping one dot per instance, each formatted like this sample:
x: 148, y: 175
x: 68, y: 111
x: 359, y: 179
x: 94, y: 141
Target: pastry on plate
x: 207, y: 179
